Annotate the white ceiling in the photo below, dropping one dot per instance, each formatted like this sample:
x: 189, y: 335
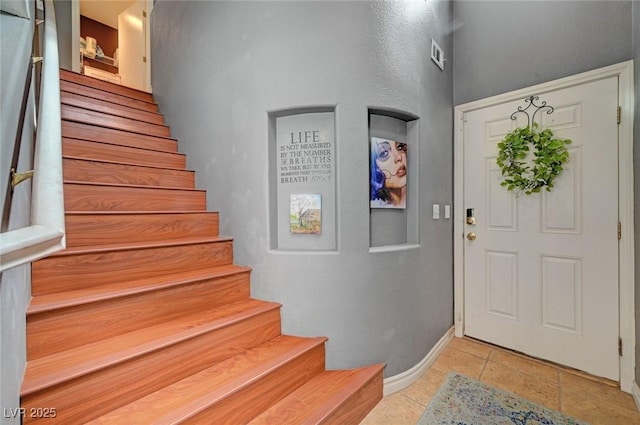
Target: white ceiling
x: 104, y: 11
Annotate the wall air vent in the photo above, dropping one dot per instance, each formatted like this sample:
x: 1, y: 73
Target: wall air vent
x: 437, y: 55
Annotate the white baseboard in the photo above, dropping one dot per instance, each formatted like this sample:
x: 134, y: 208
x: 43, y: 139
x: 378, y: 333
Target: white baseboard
x: 402, y: 380
x: 635, y: 391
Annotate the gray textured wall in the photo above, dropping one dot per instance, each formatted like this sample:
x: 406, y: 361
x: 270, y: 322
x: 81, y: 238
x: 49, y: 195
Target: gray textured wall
x: 219, y: 67
x: 500, y: 46
x: 636, y: 148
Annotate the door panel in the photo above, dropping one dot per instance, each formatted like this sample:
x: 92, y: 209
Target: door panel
x: 502, y: 279
x: 561, y: 212
x: 542, y: 275
x: 132, y: 49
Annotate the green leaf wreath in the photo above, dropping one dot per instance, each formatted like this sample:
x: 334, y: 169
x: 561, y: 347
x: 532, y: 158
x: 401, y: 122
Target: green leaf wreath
x: 550, y: 154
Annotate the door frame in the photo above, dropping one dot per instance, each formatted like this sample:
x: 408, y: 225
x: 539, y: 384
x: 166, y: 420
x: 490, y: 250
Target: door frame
x: 624, y: 72
x: 75, y: 39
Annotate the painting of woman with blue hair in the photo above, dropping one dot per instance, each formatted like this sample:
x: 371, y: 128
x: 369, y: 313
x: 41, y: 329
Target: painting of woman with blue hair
x: 388, y: 173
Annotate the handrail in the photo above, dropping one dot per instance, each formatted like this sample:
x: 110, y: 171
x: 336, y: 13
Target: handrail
x: 46, y: 234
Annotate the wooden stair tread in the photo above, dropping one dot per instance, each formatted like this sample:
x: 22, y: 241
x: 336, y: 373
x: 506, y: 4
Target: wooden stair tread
x: 97, y: 196
x: 84, y: 131
x: 72, y: 272
x: 104, y: 229
x: 313, y: 402
x: 132, y: 186
x: 144, y: 212
x: 106, y: 161
x: 96, y: 93
x: 79, y: 250
x: 100, y: 119
x: 61, y: 367
x: 124, y: 153
x: 105, y: 171
x: 141, y: 148
x: 182, y: 399
x: 61, y: 300
x: 106, y: 86
x: 104, y: 106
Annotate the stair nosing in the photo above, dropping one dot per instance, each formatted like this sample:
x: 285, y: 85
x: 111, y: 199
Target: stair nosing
x: 126, y: 98
x: 141, y: 212
x: 136, y: 349
x: 133, y: 186
x: 109, y: 114
x: 125, y: 146
x: 342, y: 395
x: 108, y: 82
x: 362, y: 376
x: 99, y: 296
x: 134, y: 246
x: 66, y: 102
x: 115, y: 129
x: 79, y: 158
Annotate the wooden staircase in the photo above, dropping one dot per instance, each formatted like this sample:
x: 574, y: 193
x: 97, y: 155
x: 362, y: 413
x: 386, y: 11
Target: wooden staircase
x: 145, y: 318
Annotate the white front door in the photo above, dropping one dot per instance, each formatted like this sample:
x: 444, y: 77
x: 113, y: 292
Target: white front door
x: 541, y: 277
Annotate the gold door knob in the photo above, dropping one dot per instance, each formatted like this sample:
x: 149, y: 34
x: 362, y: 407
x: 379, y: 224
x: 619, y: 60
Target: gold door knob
x: 471, y: 236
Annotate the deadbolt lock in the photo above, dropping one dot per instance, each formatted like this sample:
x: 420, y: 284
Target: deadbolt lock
x: 471, y: 216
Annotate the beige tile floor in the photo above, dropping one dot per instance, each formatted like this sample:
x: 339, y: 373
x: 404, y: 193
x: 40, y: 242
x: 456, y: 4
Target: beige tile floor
x: 593, y: 400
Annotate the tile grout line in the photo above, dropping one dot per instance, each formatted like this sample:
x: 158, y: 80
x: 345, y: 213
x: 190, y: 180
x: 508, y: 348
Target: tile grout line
x: 413, y: 400
x: 559, y: 391
x: 484, y: 366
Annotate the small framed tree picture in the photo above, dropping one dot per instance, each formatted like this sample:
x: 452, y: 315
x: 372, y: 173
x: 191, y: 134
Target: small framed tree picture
x: 306, y: 214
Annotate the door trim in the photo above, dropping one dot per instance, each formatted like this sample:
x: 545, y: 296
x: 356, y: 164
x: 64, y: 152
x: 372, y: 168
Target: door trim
x: 75, y: 39
x: 624, y: 72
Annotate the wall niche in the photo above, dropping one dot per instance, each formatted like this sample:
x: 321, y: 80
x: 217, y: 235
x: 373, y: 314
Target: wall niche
x: 302, y: 179
x: 393, y: 162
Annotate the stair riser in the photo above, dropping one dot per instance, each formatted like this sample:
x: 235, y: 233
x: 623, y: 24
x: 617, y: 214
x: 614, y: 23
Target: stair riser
x: 105, y: 86
x: 64, y: 273
x: 107, y: 172
x: 361, y: 402
x: 72, y: 113
x: 77, y: 130
x: 104, y: 229
x: 88, y: 397
x: 123, y: 154
x: 64, y: 329
x: 337, y: 396
x: 66, y: 86
x: 98, y: 105
x: 249, y: 402
x: 79, y: 197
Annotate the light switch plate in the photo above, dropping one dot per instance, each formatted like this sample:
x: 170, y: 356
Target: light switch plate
x: 436, y: 211
x: 447, y: 211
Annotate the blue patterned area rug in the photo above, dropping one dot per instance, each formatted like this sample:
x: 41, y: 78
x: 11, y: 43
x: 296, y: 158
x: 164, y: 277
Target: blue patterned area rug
x: 465, y: 401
